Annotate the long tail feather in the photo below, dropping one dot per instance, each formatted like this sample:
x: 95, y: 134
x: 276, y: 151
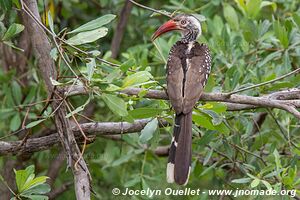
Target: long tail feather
x: 180, y: 152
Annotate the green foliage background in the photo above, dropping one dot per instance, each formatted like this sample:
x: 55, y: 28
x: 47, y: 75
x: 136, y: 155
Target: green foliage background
x: 251, y: 42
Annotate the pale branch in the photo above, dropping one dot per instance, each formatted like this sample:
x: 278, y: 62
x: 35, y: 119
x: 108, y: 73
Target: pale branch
x: 98, y: 129
x: 46, y: 65
x: 287, y: 100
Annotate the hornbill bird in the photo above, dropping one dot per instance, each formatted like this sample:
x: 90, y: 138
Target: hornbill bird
x: 188, y: 68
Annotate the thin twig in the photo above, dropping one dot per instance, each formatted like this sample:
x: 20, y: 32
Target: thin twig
x: 281, y: 130
x: 151, y: 9
x: 248, y: 152
x: 82, y: 133
x: 265, y: 83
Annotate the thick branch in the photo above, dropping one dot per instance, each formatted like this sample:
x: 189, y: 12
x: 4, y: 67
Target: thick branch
x: 98, y: 129
x: 287, y: 100
x: 119, y: 32
x: 42, y: 48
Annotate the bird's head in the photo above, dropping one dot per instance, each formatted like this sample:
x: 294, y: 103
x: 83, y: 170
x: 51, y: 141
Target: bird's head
x: 188, y: 25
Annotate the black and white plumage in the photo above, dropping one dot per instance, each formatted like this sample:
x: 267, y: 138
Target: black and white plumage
x: 188, y: 68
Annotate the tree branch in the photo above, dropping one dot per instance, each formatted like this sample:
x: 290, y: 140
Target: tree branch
x: 287, y: 100
x: 98, y: 129
x: 119, y: 32
x: 42, y: 48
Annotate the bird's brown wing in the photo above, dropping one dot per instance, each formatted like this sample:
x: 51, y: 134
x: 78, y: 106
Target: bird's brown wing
x: 199, y: 63
x: 175, y: 77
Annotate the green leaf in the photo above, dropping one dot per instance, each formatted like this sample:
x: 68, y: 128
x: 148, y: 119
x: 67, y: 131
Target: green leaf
x: 148, y: 131
x: 12, y: 31
x: 140, y: 113
x: 112, y: 88
x: 269, y: 3
x: 249, y: 30
x: 201, y: 18
x: 36, y: 197
x: 205, y: 139
x: 33, y: 183
x: 145, y: 185
x: 154, y: 141
x: 269, y: 58
x: 132, y: 182
x: 128, y: 64
x: 22, y: 176
x: 255, y: 183
x: 6, y: 4
x: 203, y: 120
x: 38, y: 189
x: 116, y: 74
x: 30, y: 169
x: 17, y: 3
x: 91, y: 68
x: 231, y: 16
x: 207, y: 157
x: 253, y: 8
x: 136, y: 78
x: 241, y: 180
x: 267, y: 184
x: 126, y: 158
x: 9, y: 43
x: 274, y: 173
x: 209, y: 168
x: 277, y: 159
x: 242, y: 5
x: 281, y: 33
x: 54, y: 54
x: 50, y: 21
x: 216, y: 119
x: 17, y: 92
x: 296, y: 18
x: 15, y: 122
x: 34, y: 123
x: 95, y: 24
x: 115, y: 104
x: 88, y: 36
x: 216, y: 107
x: 78, y: 109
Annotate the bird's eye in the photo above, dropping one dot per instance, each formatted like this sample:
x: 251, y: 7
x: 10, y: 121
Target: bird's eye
x: 183, y: 22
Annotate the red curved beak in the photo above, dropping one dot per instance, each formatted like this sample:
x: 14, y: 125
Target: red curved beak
x: 166, y: 27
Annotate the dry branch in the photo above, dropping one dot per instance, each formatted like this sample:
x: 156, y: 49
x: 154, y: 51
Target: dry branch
x: 98, y: 129
x: 287, y: 100
x: 42, y: 48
